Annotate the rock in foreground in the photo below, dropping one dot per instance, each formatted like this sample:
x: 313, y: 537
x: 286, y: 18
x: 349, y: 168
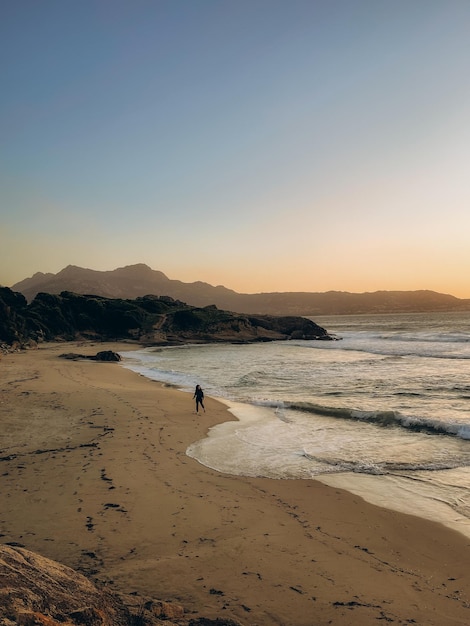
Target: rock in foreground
x: 36, y: 591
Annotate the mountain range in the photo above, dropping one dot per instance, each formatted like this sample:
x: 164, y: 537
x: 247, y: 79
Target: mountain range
x: 139, y: 280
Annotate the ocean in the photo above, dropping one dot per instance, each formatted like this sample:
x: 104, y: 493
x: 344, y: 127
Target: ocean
x: 383, y: 412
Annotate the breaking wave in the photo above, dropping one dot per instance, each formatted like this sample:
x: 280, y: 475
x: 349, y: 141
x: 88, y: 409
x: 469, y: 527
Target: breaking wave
x: 385, y: 419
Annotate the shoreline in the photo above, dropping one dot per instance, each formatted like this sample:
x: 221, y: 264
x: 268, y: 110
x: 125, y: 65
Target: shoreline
x: 390, y: 491
x: 95, y: 475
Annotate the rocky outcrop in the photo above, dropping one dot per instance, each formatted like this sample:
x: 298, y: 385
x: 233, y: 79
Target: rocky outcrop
x: 13, y: 307
x: 150, y: 319
x: 36, y: 591
x: 105, y: 355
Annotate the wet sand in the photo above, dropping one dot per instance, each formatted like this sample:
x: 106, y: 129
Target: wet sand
x: 94, y: 474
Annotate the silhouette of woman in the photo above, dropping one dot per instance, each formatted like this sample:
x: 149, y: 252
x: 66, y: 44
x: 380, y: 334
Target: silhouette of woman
x: 199, y: 395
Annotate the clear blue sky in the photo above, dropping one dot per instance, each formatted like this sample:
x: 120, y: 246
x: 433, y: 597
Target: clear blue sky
x: 264, y: 145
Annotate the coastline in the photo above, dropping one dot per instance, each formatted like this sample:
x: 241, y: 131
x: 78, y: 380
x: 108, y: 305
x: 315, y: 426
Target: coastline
x: 95, y: 475
x: 387, y: 491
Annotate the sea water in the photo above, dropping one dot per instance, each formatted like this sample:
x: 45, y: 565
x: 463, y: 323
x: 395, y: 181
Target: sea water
x: 383, y: 412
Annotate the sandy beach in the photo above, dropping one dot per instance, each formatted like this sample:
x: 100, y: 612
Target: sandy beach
x: 94, y: 475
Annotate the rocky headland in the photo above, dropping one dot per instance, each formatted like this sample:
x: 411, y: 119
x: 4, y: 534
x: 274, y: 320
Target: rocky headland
x: 149, y: 320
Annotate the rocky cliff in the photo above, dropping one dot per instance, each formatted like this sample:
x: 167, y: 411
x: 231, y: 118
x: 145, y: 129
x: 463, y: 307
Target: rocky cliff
x: 151, y: 320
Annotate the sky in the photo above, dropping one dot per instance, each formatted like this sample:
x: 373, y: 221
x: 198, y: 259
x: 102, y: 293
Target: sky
x: 263, y: 145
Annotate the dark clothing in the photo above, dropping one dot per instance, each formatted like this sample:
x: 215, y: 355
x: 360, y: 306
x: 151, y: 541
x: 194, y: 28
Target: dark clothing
x: 199, y: 395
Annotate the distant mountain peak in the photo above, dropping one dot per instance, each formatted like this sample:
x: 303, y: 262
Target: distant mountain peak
x: 138, y: 268
x: 71, y: 269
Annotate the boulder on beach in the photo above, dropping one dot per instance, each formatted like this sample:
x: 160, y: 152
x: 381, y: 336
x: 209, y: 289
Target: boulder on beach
x: 35, y: 590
